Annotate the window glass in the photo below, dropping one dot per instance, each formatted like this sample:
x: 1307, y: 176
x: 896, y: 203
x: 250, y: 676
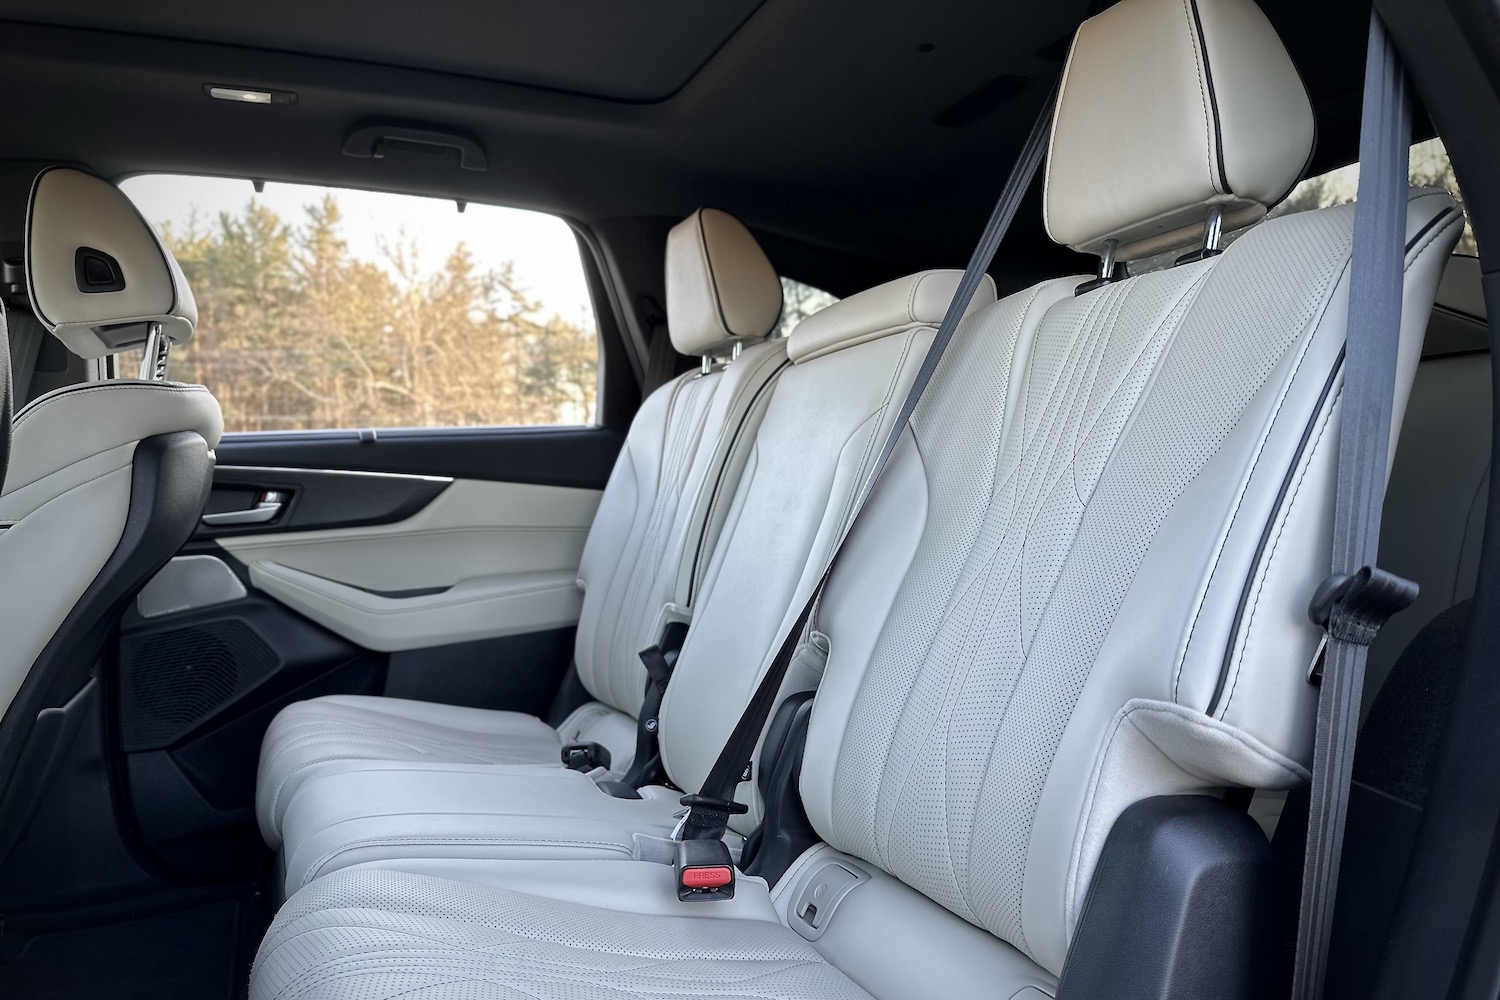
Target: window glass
x: 331, y: 308
x: 799, y: 301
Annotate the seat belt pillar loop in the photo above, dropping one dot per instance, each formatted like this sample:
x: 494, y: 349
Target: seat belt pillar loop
x: 1353, y: 607
x: 647, y: 746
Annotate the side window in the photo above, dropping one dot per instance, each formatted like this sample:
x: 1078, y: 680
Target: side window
x: 799, y: 301
x: 327, y: 308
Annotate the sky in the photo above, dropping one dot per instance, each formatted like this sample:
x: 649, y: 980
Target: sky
x: 543, y: 247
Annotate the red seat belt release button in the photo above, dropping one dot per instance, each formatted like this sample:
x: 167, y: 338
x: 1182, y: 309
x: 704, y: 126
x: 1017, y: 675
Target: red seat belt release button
x: 705, y: 871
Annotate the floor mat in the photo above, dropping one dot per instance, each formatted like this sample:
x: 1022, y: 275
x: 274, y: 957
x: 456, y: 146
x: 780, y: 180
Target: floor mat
x: 134, y: 950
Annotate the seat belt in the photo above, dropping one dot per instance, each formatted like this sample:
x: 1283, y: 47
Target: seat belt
x: 26, y: 334
x: 709, y: 810
x: 1358, y: 598
x: 5, y: 396
x: 661, y: 356
x: 659, y: 659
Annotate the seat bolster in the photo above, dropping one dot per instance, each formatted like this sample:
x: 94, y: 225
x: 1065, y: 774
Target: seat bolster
x: 74, y: 423
x: 917, y: 300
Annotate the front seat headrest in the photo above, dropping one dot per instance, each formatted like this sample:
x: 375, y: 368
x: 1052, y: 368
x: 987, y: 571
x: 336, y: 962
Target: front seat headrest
x: 96, y: 272
x: 720, y: 287
x: 1167, y: 108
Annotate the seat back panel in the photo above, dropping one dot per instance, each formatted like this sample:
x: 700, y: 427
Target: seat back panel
x: 1153, y: 423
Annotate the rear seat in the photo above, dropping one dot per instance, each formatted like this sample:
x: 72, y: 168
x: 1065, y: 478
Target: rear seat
x: 826, y: 419
x: 637, y: 566
x: 1081, y: 586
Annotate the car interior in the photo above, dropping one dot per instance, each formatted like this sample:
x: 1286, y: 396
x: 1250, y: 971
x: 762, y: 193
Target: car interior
x: 762, y: 499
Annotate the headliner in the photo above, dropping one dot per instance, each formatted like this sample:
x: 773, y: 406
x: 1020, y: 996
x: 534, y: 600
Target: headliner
x: 821, y: 124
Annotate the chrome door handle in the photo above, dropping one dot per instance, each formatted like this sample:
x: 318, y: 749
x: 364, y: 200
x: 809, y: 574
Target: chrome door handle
x: 267, y: 506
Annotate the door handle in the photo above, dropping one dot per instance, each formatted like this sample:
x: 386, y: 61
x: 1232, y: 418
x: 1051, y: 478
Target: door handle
x: 268, y: 505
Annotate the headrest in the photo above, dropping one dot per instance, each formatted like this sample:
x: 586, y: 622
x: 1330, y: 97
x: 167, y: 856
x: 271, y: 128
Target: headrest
x: 1169, y: 107
x: 95, y: 270
x: 720, y: 286
x: 907, y: 303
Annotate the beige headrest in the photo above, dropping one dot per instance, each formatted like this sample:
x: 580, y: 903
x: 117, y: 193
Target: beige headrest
x: 720, y: 286
x: 1169, y: 107
x: 907, y: 303
x: 96, y: 272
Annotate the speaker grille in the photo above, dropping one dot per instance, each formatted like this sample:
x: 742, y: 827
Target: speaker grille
x: 172, y: 680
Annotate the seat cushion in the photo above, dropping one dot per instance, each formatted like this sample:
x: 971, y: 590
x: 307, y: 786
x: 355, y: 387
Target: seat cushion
x: 351, y: 727
x: 531, y: 930
x: 352, y: 812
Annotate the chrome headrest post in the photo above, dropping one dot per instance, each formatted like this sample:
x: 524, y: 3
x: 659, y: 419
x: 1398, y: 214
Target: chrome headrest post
x: 1107, y: 260
x: 1213, y: 231
x: 154, y: 361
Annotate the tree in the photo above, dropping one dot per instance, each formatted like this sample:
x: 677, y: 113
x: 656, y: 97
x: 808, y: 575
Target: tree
x: 800, y: 301
x: 297, y: 333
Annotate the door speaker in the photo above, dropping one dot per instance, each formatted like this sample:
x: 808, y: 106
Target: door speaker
x: 170, y: 681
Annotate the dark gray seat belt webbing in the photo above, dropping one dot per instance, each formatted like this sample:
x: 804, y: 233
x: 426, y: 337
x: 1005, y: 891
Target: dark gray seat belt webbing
x: 5, y: 397
x: 26, y: 334
x: 1357, y: 599
x: 712, y: 806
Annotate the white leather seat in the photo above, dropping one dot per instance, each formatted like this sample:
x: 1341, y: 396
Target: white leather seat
x: 827, y: 416
x: 1081, y: 584
x: 639, y: 564
x: 106, y: 479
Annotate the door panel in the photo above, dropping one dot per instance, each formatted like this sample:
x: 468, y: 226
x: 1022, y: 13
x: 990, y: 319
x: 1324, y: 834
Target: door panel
x: 580, y: 457
x: 436, y: 565
x: 194, y: 692
x: 307, y: 499
x: 481, y: 560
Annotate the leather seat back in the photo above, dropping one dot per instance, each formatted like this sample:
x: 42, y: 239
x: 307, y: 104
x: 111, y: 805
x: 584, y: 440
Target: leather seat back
x: 852, y: 364
x: 107, y: 479
x: 1083, y: 581
x: 654, y: 519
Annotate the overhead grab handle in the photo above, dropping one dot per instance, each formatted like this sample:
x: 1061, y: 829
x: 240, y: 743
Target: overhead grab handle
x: 370, y: 141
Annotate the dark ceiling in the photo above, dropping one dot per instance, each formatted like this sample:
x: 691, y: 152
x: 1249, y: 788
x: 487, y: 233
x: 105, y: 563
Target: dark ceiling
x: 860, y: 138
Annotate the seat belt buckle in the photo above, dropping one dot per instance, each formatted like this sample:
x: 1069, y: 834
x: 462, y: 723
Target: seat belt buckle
x: 586, y: 757
x: 705, y: 871
x: 1352, y: 607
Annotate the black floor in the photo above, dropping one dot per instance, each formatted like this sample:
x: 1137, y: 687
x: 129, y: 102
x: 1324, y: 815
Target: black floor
x: 185, y: 944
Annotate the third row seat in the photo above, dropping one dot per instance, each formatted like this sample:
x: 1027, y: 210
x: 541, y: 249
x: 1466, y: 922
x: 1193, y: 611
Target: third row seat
x: 640, y: 565
x: 852, y: 364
